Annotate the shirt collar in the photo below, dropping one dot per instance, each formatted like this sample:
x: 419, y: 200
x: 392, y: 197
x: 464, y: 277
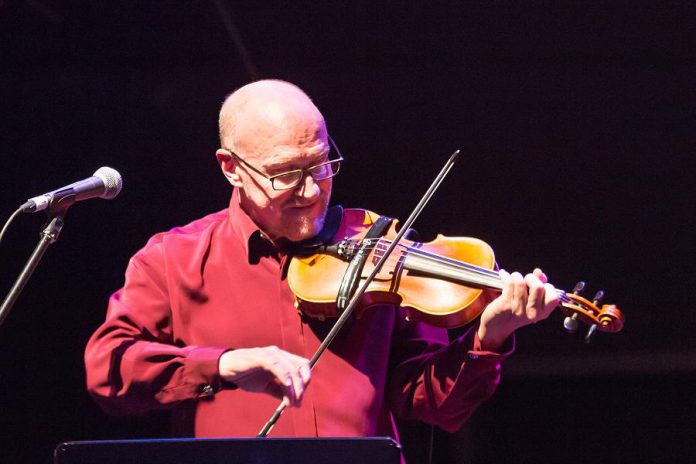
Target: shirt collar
x: 255, y: 243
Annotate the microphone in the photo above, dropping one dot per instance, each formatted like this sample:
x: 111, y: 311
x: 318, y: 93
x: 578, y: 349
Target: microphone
x: 105, y: 183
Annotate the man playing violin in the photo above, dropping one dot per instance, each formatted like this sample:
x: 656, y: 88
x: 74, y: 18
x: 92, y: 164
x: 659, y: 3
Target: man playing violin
x: 207, y: 326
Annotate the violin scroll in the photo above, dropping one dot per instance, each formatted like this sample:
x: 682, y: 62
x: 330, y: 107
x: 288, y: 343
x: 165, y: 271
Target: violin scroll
x: 576, y: 308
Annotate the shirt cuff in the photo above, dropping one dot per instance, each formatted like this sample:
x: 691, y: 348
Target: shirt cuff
x: 475, y: 351
x: 202, y: 371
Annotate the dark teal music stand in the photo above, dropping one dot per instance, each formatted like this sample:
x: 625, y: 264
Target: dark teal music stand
x: 377, y: 450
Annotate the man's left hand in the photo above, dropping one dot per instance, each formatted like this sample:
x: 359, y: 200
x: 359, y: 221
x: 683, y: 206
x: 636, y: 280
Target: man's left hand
x: 524, y: 300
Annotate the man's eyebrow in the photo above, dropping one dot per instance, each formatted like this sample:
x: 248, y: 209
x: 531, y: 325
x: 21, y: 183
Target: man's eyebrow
x: 281, y: 165
x: 293, y: 164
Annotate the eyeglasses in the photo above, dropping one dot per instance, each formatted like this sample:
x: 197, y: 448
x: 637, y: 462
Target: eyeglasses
x: 291, y: 179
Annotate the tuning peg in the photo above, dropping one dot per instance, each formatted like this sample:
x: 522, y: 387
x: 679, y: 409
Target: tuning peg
x: 570, y: 323
x: 598, y: 297
x: 593, y: 328
x: 579, y: 287
x: 590, y: 333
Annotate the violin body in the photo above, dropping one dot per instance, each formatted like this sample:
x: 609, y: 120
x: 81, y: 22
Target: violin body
x: 406, y: 278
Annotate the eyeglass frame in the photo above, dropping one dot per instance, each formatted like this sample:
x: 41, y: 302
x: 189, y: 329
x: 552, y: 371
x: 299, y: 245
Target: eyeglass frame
x: 304, y: 171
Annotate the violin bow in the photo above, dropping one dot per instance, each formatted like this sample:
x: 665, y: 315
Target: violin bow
x: 345, y: 315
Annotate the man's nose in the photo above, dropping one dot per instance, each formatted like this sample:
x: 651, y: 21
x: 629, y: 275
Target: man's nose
x: 308, y: 188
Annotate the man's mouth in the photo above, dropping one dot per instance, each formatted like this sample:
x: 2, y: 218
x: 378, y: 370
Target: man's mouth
x: 303, y: 206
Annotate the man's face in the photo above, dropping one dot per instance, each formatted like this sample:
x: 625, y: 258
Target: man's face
x: 295, y: 214
x: 296, y: 143
x: 275, y: 128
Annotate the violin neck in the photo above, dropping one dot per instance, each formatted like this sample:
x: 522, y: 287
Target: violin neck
x: 429, y: 264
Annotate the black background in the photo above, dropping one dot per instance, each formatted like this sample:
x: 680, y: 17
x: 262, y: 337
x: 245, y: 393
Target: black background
x: 576, y: 120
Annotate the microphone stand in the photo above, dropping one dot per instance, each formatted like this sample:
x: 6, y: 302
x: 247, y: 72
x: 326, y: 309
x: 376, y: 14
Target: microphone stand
x: 354, y: 300
x: 48, y: 236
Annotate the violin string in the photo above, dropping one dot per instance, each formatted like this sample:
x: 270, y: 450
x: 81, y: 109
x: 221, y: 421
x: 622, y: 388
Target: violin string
x: 482, y: 275
x: 458, y: 264
x: 490, y: 279
x: 473, y: 277
x: 442, y: 259
x: 477, y: 271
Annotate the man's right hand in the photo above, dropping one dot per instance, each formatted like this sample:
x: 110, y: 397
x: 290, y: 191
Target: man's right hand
x: 269, y: 370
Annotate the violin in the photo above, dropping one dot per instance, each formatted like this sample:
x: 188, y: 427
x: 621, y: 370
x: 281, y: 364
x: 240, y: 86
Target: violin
x: 446, y: 282
x: 441, y: 282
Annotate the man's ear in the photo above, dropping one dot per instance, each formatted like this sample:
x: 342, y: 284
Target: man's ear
x: 228, y: 165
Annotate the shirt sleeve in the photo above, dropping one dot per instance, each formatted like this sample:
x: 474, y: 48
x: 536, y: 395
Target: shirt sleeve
x: 132, y: 362
x: 439, y: 382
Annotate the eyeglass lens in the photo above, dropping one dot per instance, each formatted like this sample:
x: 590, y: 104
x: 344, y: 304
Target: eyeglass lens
x: 293, y: 178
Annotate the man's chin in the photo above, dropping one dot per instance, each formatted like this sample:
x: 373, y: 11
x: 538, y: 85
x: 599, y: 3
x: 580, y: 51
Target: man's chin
x: 304, y: 227
x: 303, y: 233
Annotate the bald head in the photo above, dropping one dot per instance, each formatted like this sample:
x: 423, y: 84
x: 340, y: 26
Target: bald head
x: 269, y: 129
x: 261, y: 115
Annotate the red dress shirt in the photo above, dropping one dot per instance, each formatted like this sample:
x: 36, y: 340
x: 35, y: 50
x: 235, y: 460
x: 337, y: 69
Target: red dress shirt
x: 215, y: 284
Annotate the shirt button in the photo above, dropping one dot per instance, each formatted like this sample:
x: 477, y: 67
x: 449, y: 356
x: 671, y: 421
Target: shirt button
x: 205, y: 390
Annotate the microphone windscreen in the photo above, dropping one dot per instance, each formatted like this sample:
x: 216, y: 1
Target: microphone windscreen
x: 112, y: 180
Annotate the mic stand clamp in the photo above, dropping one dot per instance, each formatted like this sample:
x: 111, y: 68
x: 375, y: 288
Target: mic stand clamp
x: 49, y: 235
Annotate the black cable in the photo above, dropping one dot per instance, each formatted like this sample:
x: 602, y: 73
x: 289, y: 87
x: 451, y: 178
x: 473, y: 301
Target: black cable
x: 9, y: 221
